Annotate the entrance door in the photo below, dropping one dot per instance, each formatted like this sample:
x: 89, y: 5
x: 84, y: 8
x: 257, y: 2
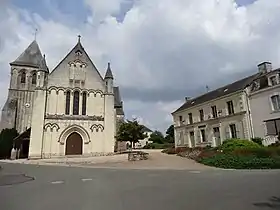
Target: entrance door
x: 217, y: 136
x: 74, y: 144
x: 192, y: 139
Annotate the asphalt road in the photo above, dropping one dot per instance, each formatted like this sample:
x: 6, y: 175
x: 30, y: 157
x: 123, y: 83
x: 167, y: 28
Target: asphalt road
x: 121, y: 189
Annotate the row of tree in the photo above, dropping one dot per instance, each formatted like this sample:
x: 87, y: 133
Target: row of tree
x: 132, y: 131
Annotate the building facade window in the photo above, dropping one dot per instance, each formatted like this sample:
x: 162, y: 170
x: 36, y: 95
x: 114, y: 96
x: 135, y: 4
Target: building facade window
x: 23, y: 77
x: 272, y: 127
x: 275, y: 100
x: 67, y: 103
x: 201, y: 115
x: 76, y: 101
x: 273, y: 80
x: 230, y: 107
x: 190, y: 118
x: 233, y: 131
x: 214, y: 111
x: 34, y: 78
x: 192, y: 139
x: 203, y: 137
x: 84, y: 104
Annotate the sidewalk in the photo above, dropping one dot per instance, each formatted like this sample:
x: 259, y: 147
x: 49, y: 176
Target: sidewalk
x: 72, y: 161
x: 156, y: 160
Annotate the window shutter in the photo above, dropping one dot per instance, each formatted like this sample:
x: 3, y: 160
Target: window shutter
x: 270, y: 127
x: 181, y: 138
x: 239, y: 133
x: 277, y: 126
x: 198, y: 136
x: 227, y: 131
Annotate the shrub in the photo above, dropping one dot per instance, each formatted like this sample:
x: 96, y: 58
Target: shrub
x: 170, y: 151
x: 6, y: 142
x: 262, y: 152
x: 276, y: 144
x: 174, y: 150
x: 241, y: 162
x: 233, y: 144
x: 258, y: 140
x: 157, y: 146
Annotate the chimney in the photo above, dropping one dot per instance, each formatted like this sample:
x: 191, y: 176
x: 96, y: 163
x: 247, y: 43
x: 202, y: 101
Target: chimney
x: 265, y: 67
x: 187, y: 99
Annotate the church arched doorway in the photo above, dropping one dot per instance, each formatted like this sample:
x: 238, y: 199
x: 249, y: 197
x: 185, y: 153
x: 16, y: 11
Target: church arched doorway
x: 74, y: 144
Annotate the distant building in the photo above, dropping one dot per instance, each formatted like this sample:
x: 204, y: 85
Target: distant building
x: 145, y: 141
x: 231, y: 111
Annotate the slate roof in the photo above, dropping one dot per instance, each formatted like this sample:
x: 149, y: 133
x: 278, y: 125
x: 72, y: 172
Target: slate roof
x: 118, y: 101
x: 74, y: 55
x: 222, y: 91
x: 31, y: 56
x: 147, y: 129
x: 109, y: 74
x: 43, y: 65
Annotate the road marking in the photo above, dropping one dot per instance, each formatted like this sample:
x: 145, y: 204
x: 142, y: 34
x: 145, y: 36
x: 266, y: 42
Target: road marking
x: 195, y: 172
x: 57, y: 182
x: 84, y: 180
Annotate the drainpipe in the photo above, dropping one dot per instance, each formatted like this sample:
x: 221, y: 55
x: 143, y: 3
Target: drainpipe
x: 249, y: 113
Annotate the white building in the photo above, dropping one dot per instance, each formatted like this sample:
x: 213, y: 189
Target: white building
x: 221, y: 114
x: 265, y: 104
x: 71, y: 110
x: 143, y: 142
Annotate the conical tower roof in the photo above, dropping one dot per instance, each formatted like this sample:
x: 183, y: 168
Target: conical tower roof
x: 43, y: 65
x: 31, y: 56
x: 109, y: 74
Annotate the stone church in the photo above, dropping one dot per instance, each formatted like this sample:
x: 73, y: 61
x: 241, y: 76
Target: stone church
x: 71, y: 110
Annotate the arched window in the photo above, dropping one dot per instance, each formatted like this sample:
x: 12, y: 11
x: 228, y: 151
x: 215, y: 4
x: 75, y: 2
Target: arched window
x: 34, y: 77
x: 76, y: 101
x: 67, y: 105
x: 23, y: 77
x: 84, y: 105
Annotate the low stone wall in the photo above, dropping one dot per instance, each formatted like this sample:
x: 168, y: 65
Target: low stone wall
x: 57, y: 156
x: 137, y: 155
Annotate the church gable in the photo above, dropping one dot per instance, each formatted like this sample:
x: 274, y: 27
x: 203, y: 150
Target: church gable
x: 76, y: 70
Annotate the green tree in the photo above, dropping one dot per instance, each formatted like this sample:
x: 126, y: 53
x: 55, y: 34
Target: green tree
x: 170, y: 134
x: 6, y: 142
x: 131, y: 131
x: 157, y: 137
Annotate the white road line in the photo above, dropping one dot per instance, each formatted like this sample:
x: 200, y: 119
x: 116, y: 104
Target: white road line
x: 57, y: 182
x: 84, y: 180
x: 195, y: 172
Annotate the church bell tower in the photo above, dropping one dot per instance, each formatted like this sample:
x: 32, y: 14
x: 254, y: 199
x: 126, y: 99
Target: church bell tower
x: 17, y: 110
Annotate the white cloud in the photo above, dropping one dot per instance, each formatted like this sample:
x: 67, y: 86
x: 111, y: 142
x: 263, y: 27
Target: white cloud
x: 160, y: 45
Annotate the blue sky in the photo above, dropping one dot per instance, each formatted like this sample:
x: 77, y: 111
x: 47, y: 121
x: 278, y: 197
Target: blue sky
x: 76, y: 9
x: 159, y: 43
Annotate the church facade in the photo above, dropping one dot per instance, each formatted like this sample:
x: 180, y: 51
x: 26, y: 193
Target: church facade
x: 71, y: 110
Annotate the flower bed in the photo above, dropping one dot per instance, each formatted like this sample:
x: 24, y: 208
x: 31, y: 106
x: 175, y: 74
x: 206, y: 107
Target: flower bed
x: 238, y: 154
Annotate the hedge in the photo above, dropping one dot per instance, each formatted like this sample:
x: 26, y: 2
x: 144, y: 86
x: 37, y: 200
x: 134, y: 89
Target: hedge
x: 157, y: 146
x: 233, y: 144
x: 241, y: 154
x: 241, y: 162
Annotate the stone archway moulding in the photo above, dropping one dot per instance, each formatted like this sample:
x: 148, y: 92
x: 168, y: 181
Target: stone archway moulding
x: 74, y: 128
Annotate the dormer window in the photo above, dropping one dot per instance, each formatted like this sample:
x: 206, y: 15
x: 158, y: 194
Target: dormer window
x: 273, y: 80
